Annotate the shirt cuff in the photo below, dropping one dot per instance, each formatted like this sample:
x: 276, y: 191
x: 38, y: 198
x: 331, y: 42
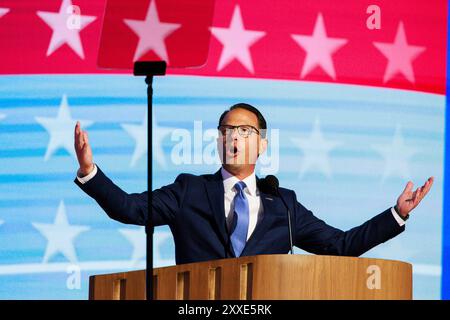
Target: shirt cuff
x: 85, y: 179
x: 397, y: 218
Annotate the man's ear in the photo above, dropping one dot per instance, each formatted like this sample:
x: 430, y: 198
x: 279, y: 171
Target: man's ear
x: 263, y: 143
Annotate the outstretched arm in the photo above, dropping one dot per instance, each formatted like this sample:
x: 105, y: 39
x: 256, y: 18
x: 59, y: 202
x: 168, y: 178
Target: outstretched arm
x: 314, y: 235
x: 118, y: 204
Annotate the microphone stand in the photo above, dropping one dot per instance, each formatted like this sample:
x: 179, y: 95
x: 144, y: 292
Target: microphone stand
x: 289, y: 220
x: 149, y: 69
x: 270, y: 185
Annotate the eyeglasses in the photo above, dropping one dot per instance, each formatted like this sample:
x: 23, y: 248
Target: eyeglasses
x: 244, y: 130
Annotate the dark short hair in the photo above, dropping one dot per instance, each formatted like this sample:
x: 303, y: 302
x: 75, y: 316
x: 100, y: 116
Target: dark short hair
x: 261, y: 121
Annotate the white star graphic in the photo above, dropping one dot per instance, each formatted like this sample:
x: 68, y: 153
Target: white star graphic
x: 139, y: 134
x: 60, y: 235
x: 236, y: 41
x: 315, y: 150
x: 152, y: 33
x: 137, y: 238
x: 61, y: 129
x: 3, y: 11
x: 397, y: 156
x: 2, y: 116
x: 400, y: 55
x: 158, y: 239
x: 63, y: 31
x: 319, y: 49
x: 159, y: 133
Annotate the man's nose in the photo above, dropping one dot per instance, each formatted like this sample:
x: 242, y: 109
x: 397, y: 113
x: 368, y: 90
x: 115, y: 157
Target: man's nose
x: 234, y: 134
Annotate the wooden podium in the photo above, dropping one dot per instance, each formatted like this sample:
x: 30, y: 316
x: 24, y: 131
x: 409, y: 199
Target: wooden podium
x: 264, y: 277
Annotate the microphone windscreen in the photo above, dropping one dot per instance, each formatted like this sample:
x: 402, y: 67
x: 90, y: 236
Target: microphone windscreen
x: 272, y: 182
x: 269, y: 185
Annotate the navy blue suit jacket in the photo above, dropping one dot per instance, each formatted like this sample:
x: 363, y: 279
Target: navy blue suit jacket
x: 193, y: 207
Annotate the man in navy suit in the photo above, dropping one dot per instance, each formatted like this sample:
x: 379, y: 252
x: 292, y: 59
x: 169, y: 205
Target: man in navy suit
x: 225, y: 214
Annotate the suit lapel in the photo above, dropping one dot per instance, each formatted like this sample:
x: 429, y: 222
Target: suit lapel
x: 215, y: 192
x: 271, y: 207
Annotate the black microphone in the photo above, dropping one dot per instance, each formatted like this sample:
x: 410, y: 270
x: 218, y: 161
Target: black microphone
x: 270, y: 185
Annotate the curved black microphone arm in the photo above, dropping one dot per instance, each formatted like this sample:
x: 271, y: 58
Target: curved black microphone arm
x: 270, y: 185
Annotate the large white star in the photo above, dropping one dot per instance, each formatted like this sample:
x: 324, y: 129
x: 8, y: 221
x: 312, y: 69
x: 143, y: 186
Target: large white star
x: 152, y: 33
x: 3, y: 11
x: 139, y: 134
x: 63, y: 31
x: 397, y: 156
x: 61, y: 129
x: 315, y: 150
x: 159, y: 133
x: 319, y: 49
x: 236, y: 41
x: 60, y: 235
x: 137, y: 238
x: 400, y: 55
x: 158, y: 239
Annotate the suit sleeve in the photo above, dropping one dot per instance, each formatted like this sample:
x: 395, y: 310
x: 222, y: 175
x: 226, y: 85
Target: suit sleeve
x: 315, y: 236
x: 132, y: 208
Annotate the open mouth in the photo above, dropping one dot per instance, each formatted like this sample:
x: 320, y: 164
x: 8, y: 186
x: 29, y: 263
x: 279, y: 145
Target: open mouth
x: 232, y: 151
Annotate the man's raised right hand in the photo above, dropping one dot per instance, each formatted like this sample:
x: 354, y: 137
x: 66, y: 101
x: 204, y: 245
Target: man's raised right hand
x: 83, y: 151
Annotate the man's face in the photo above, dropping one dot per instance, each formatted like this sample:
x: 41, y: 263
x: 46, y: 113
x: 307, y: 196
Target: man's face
x: 239, y: 148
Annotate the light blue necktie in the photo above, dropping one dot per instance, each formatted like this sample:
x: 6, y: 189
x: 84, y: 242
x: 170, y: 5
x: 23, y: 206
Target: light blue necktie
x: 240, y: 219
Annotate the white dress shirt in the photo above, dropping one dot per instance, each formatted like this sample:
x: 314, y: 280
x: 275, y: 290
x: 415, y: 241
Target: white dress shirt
x: 251, y: 193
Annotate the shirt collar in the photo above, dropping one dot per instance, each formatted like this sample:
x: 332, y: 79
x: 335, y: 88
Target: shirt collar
x: 229, y: 181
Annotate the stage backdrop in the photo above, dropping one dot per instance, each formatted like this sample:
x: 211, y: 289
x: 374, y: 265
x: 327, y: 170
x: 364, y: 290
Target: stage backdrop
x: 354, y: 95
